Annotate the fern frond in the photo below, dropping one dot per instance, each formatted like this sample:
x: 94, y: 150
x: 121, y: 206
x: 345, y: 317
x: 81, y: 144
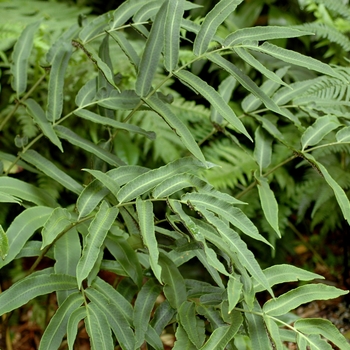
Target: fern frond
x: 234, y: 165
x: 324, y: 31
x: 28, y: 128
x: 338, y: 7
x: 49, y: 185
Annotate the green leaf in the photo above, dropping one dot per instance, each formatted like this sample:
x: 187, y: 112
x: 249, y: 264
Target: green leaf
x: 57, y: 328
x: 340, y: 195
x: 162, y: 316
x: 118, y: 100
x: 295, y: 58
x: 58, y: 221
x: 153, y: 339
x: 56, y: 82
x: 30, y: 287
x: 263, y: 149
x: 123, y: 307
x: 51, y: 170
x: 237, y: 246
x: 88, y: 146
x: 174, y: 284
x: 151, y: 54
x: 126, y: 47
x: 301, y: 295
x: 115, y: 316
x: 234, y: 289
x: 88, y: 115
x: 211, y: 95
x: 182, y: 340
x: 67, y: 251
x: 90, y: 197
x: 38, y: 114
x: 175, y: 11
x: 177, y: 183
x: 268, y: 203
x: 148, y: 180
x: 262, y: 33
x: 94, y: 240
x: 126, y: 10
x: 191, y: 324
x: 251, y: 60
x: 20, y: 56
x: 211, y: 23
x: 105, y: 179
x: 72, y: 327
x: 177, y: 125
x: 7, y: 198
x: 26, y: 191
x: 221, y: 336
x: 286, y: 273
x: 343, y: 135
x: 225, y: 90
x: 125, y: 255
x: 144, y: 305
x: 257, y: 329
x: 22, y: 228
x: 324, y: 327
x: 98, y: 328
x: 219, y: 206
x: 274, y: 332
x: 251, y: 102
x: 318, y: 130
x: 4, y: 244
x: 146, y: 222
x: 96, y: 26
x: 245, y: 81
x: 86, y: 94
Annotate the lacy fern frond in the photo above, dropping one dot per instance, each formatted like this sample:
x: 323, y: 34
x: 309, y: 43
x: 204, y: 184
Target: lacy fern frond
x: 325, y: 31
x: 234, y: 165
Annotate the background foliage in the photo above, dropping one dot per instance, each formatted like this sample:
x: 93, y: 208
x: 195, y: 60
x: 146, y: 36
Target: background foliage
x: 157, y: 159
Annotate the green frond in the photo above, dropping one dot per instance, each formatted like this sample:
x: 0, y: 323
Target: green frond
x: 234, y: 165
x: 49, y: 185
x: 338, y: 7
x: 325, y: 31
x: 28, y: 128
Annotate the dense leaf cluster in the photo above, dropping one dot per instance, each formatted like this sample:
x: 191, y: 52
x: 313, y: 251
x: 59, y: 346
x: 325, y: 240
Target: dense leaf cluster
x: 119, y: 171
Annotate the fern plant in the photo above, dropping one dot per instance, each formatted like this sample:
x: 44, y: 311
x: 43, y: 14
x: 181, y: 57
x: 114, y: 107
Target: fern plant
x: 146, y: 219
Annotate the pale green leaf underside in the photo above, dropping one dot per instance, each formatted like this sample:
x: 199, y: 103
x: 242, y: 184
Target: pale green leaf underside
x: 262, y: 33
x: 150, y: 57
x: 318, y: 130
x: 324, y: 327
x: 175, y: 10
x: 211, y: 23
x: 88, y: 146
x: 57, y: 328
x: 98, y: 230
x: 301, y: 295
x: 268, y: 203
x: 177, y: 125
x: 88, y: 115
x: 210, y: 94
x: 145, y: 182
x: 38, y: 114
x: 343, y: 135
x: 146, y: 222
x: 56, y: 82
x: 30, y: 287
x: 51, y: 170
x: 20, y: 56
